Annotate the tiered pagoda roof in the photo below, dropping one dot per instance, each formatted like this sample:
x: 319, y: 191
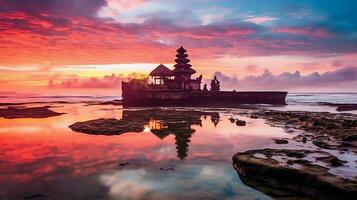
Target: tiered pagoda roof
x: 182, y: 62
x: 161, y: 70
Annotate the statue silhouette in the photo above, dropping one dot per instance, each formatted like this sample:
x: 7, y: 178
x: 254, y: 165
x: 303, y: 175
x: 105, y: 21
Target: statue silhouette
x: 215, y: 84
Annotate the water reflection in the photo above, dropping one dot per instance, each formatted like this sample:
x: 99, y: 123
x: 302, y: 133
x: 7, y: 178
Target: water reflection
x: 45, y: 156
x: 165, y: 122
x: 194, y: 180
x: 162, y: 123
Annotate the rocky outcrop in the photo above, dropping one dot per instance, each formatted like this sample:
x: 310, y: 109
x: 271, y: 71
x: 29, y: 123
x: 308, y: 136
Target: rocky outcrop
x: 240, y: 122
x: 115, y: 102
x: 341, y: 106
x: 298, y: 174
x: 38, y: 196
x: 325, y: 130
x: 23, y: 112
x: 346, y: 107
x: 107, y: 126
x: 281, y: 141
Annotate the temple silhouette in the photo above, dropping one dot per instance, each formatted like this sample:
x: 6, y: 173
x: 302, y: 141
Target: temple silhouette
x: 177, y: 79
x: 177, y: 88
x: 165, y: 122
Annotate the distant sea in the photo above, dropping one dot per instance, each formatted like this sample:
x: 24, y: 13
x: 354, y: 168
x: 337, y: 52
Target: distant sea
x: 315, y: 98
x: 25, y: 98
x: 292, y: 98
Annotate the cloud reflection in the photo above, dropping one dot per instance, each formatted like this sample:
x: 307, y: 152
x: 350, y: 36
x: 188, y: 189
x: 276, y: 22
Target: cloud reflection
x: 196, y: 181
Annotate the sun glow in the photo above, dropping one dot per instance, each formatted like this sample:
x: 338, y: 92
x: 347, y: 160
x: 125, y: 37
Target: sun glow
x: 146, y: 129
x: 125, y: 69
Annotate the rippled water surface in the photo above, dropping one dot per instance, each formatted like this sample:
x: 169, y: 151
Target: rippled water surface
x: 187, y: 156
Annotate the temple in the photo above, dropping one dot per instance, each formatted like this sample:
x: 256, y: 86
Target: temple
x: 179, y: 78
x: 177, y: 87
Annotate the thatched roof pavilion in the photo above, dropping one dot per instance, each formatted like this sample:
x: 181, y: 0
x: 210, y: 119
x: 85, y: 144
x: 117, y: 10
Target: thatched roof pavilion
x: 162, y: 71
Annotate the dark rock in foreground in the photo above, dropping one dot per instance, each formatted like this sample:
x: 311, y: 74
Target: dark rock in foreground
x: 347, y: 107
x: 21, y: 112
x: 109, y: 126
x: 341, y: 106
x: 240, y: 122
x: 167, y: 169
x: 297, y: 174
x: 35, y: 196
x: 281, y: 141
x: 113, y: 102
x: 123, y: 164
x: 231, y: 119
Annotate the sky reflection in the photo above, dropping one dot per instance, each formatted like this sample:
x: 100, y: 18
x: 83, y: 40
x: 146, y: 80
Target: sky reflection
x: 193, y: 180
x: 45, y: 156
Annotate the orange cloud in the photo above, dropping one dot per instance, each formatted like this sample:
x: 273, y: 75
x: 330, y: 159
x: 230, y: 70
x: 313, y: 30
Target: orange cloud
x: 112, y: 81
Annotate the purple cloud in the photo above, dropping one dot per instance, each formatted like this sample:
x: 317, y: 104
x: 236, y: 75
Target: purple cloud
x: 346, y: 76
x: 53, y: 7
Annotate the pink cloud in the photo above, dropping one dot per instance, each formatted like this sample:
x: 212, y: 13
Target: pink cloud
x: 259, y: 20
x: 72, y: 34
x: 124, y: 4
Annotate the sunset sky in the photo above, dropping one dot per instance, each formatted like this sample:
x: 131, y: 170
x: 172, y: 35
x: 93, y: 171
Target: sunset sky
x: 90, y: 46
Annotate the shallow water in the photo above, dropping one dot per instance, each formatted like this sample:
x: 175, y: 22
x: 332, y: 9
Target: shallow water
x: 44, y: 156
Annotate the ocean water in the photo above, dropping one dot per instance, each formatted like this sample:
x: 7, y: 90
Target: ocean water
x: 45, y: 157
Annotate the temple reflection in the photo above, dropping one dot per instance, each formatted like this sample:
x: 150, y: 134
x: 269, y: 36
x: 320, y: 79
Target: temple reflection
x: 182, y: 132
x: 162, y: 123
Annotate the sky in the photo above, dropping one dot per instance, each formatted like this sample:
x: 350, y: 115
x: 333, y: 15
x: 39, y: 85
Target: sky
x: 90, y: 46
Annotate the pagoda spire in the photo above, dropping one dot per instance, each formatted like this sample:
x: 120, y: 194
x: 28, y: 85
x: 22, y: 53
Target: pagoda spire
x: 182, y: 62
